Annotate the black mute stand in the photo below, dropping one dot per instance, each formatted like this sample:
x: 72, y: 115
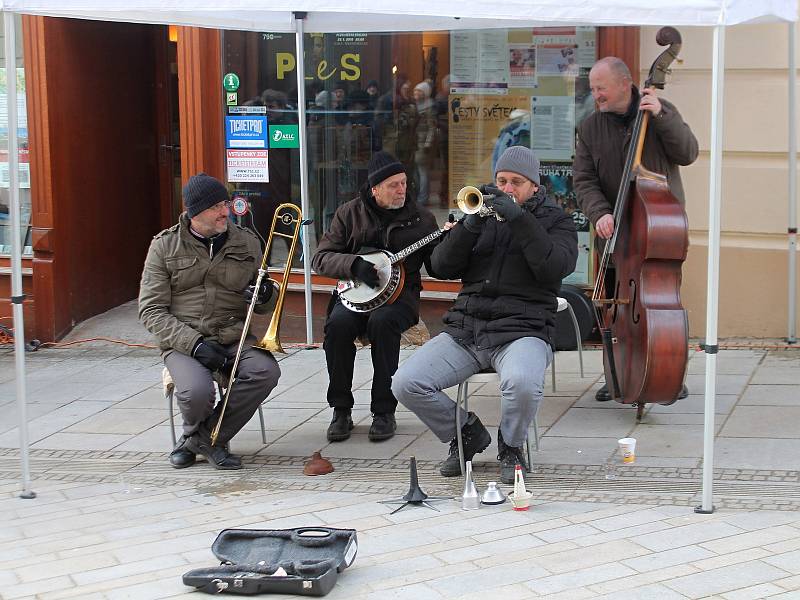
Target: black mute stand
x: 415, y: 495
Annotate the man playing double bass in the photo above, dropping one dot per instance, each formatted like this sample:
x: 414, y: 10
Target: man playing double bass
x: 602, y: 144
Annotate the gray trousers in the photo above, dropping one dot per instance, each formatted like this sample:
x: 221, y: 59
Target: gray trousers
x: 442, y: 363
x: 258, y: 374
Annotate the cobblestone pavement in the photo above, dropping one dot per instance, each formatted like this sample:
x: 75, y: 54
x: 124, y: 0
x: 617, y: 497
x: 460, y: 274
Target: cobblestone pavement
x: 112, y: 520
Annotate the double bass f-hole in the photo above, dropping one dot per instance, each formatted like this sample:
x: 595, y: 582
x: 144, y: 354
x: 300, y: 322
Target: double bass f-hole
x: 634, y: 308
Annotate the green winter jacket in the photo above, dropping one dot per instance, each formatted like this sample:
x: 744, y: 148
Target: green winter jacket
x: 185, y: 295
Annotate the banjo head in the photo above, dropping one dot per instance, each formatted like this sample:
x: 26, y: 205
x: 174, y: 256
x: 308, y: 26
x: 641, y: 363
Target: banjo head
x: 361, y: 297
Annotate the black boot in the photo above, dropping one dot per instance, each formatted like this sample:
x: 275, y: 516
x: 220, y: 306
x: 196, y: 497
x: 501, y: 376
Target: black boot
x: 509, y: 458
x: 341, y: 425
x: 383, y: 427
x: 475, y: 438
x: 181, y: 457
x: 217, y: 456
x: 602, y: 394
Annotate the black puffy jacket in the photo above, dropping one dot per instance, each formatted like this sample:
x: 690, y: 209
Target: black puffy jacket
x: 511, y: 274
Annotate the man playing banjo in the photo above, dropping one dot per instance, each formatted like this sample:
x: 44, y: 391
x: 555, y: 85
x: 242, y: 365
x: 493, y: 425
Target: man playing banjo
x: 382, y: 217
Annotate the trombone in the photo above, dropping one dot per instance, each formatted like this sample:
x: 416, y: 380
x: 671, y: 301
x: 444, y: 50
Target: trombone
x: 290, y: 217
x: 471, y: 200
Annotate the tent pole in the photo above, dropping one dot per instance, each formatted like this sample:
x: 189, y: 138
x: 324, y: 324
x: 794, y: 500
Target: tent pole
x: 17, y: 296
x: 304, y: 203
x: 712, y: 294
x: 791, y: 336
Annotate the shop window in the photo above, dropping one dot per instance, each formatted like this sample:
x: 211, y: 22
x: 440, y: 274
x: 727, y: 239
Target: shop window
x: 17, y: 79
x: 446, y: 104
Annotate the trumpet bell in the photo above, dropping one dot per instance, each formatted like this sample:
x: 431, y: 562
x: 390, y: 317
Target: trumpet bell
x: 469, y: 200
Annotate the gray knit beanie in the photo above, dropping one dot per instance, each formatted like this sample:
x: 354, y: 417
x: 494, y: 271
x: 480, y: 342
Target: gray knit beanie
x: 519, y: 159
x: 201, y: 192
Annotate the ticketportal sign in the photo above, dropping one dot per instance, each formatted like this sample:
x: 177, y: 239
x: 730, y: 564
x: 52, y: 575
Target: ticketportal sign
x: 284, y: 136
x: 249, y: 131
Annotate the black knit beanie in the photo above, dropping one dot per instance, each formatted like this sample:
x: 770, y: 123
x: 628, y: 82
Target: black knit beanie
x: 382, y: 165
x: 201, y: 192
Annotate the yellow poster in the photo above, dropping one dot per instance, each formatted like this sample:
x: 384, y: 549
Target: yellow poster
x: 480, y: 128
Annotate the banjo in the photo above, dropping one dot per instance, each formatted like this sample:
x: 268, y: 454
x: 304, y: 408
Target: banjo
x: 359, y: 297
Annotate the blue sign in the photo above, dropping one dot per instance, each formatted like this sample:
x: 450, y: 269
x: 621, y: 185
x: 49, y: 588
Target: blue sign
x: 246, y: 132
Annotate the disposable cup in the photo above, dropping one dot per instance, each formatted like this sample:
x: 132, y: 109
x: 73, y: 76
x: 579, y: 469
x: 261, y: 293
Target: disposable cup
x: 627, y: 448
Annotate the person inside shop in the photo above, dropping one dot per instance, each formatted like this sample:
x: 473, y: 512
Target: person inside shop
x: 601, y: 148
x: 373, y: 93
x: 382, y: 216
x: 503, y: 318
x: 196, y: 288
x: 425, y: 152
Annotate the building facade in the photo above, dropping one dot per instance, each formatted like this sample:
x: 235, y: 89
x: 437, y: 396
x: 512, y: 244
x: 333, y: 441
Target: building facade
x: 110, y: 136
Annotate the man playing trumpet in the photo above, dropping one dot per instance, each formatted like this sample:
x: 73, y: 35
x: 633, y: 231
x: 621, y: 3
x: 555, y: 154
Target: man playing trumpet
x: 194, y: 298
x: 503, y: 317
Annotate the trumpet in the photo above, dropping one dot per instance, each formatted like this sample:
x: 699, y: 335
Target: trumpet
x: 471, y: 200
x: 291, y: 218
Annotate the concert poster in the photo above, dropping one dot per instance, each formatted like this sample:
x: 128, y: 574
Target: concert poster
x: 477, y: 124
x: 557, y: 178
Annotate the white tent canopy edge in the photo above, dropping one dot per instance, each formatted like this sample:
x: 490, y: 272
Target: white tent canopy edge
x: 361, y: 15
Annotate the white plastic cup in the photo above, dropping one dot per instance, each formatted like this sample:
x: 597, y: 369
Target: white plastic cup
x: 627, y: 448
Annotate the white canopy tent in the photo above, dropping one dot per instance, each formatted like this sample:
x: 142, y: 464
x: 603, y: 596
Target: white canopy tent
x: 297, y: 16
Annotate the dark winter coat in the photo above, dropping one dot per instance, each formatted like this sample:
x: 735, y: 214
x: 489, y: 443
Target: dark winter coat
x: 357, y: 228
x: 511, y: 273
x: 603, y: 140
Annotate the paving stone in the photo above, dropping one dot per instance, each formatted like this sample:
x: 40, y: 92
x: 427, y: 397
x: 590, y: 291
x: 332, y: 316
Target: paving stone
x: 649, y: 592
x: 752, y: 539
x: 579, y: 578
x: 755, y: 422
x: 487, y: 578
x: 788, y: 561
x: 686, y: 535
x: 668, y: 558
x: 756, y: 592
x: 771, y: 395
x: 725, y: 579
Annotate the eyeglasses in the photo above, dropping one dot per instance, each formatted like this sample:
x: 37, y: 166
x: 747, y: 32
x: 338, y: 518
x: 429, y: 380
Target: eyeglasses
x: 502, y: 181
x: 220, y: 205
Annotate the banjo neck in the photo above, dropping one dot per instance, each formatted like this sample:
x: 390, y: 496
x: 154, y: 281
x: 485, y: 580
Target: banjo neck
x: 398, y: 256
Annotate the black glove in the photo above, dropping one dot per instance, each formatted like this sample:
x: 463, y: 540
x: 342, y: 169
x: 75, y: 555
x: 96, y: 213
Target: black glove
x: 365, y: 271
x: 491, y: 190
x: 505, y: 206
x: 473, y: 223
x: 264, y: 291
x: 210, y: 354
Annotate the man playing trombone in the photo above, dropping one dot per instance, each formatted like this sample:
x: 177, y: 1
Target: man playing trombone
x: 510, y: 265
x: 195, y: 290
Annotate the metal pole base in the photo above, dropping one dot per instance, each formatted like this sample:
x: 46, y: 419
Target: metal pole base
x: 702, y: 511
x: 28, y: 495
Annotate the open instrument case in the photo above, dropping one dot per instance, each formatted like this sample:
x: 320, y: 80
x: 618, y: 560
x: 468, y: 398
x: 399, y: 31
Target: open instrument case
x: 312, y: 558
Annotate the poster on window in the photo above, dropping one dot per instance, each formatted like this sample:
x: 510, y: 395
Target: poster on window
x: 248, y: 166
x: 479, y: 62
x: 481, y: 127
x: 522, y: 65
x: 556, y: 177
x: 553, y: 127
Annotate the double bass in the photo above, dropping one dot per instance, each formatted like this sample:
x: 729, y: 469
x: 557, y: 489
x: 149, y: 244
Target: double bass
x: 643, y: 326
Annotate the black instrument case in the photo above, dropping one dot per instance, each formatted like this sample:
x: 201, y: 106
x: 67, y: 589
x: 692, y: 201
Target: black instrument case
x: 311, y: 556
